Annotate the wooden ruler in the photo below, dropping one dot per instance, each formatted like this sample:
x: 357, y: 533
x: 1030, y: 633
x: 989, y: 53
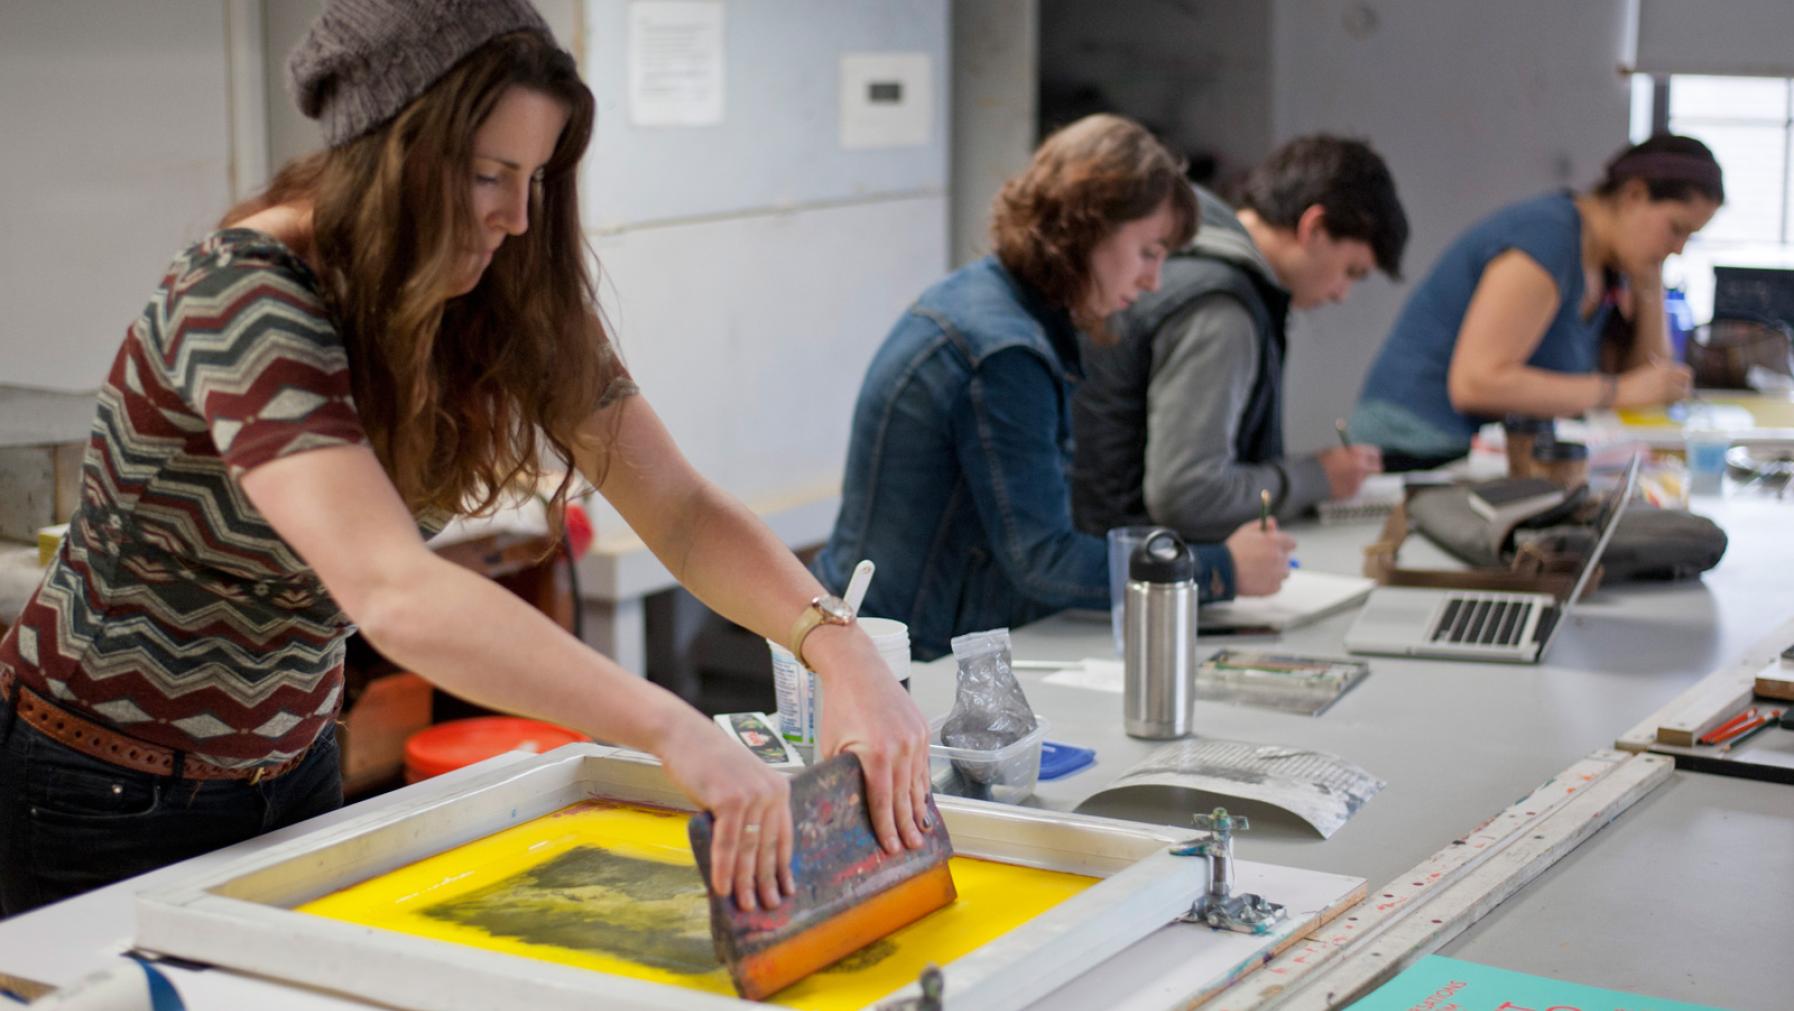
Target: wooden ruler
x: 1418, y: 912
x: 1711, y: 700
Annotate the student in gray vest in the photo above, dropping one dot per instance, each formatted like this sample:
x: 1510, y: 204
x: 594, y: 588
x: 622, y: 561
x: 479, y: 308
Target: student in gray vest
x: 1181, y: 422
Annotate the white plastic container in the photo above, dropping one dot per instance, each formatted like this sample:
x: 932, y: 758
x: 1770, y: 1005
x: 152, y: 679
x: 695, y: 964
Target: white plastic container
x: 799, y: 694
x: 1006, y: 775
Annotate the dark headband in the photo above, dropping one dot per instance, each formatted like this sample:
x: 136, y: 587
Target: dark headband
x: 1667, y: 166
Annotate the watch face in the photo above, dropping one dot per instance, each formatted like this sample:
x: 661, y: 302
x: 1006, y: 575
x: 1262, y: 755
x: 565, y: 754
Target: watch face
x: 834, y: 609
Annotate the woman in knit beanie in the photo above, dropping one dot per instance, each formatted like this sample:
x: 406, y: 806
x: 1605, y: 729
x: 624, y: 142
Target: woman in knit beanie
x: 398, y: 329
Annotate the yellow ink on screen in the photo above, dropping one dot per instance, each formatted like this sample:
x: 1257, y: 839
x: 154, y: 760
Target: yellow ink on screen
x: 1723, y: 410
x: 613, y: 888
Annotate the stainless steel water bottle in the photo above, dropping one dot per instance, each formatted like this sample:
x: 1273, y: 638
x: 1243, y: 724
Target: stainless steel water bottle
x: 1159, y: 638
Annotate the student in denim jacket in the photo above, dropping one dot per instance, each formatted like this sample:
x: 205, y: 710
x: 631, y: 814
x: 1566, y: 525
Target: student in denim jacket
x: 956, y: 482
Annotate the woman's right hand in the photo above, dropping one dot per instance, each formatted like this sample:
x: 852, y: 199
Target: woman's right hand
x: 1260, y: 558
x: 751, y: 844
x: 1657, y: 382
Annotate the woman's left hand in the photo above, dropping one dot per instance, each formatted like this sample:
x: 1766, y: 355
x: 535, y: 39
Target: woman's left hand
x: 866, y: 711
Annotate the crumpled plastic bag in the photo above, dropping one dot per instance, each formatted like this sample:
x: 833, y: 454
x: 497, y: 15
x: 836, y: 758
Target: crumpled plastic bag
x: 990, y: 710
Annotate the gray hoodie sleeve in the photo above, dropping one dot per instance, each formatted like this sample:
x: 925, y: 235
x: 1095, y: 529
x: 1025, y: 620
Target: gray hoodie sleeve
x: 1203, y: 363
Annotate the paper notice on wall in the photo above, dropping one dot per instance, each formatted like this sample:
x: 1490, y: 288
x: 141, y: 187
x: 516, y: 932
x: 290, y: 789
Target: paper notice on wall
x: 1322, y: 789
x: 676, y: 62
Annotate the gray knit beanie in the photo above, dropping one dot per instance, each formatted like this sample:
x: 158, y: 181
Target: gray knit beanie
x: 364, y: 60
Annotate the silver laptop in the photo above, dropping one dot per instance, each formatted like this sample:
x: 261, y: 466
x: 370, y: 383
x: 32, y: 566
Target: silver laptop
x: 1478, y: 624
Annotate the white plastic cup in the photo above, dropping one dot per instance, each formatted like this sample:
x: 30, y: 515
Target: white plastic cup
x: 1705, y: 449
x: 799, y: 694
x: 891, y: 638
x: 1122, y: 542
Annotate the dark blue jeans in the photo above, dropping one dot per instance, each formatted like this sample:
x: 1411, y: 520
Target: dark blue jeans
x: 70, y: 823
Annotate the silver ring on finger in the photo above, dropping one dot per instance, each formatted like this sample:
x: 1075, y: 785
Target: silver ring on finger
x: 750, y: 830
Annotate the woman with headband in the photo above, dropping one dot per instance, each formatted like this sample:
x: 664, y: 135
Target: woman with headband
x: 1510, y: 318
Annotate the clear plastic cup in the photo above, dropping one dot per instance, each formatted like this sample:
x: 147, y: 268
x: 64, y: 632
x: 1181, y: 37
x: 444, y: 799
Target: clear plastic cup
x: 1122, y: 542
x: 1705, y: 448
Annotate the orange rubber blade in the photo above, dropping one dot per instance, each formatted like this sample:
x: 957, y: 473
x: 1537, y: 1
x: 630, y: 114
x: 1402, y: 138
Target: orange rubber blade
x: 776, y: 967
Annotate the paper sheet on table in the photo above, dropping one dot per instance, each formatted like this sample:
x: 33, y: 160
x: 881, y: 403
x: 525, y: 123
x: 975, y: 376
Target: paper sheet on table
x: 1322, y: 789
x: 1305, y: 597
x: 1090, y: 672
x: 1306, y: 685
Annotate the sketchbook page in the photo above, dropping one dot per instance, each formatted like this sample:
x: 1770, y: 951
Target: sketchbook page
x: 1305, y: 597
x: 1322, y: 789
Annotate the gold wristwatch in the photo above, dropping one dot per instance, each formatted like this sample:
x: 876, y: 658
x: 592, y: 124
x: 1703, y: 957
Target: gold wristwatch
x: 828, y: 610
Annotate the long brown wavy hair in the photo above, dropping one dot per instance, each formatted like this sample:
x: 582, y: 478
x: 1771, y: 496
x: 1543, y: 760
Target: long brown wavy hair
x: 459, y: 394
x: 1085, y: 181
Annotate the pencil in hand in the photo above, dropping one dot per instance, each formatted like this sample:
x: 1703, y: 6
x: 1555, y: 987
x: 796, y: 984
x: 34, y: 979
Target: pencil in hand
x: 1264, y: 509
x: 1339, y: 426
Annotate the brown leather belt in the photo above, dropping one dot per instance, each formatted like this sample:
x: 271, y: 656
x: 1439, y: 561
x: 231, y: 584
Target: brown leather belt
x: 122, y: 750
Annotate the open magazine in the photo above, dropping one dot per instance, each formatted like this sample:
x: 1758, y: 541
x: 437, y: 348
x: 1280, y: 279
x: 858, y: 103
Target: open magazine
x: 1322, y: 789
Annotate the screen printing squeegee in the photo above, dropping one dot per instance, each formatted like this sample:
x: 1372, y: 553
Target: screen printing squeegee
x: 850, y: 891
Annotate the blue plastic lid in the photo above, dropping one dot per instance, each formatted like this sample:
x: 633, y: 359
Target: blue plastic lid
x: 1063, y: 759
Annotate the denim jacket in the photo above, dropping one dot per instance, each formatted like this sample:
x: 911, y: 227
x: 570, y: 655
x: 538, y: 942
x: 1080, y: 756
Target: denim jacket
x: 956, y: 483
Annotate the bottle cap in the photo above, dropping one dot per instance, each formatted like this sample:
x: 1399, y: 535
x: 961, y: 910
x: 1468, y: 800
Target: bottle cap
x: 1162, y: 557
x: 1526, y: 423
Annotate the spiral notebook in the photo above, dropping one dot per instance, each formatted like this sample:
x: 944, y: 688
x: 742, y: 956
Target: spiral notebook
x: 1376, y: 499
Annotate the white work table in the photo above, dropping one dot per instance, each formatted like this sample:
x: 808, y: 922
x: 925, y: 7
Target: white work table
x: 1685, y: 896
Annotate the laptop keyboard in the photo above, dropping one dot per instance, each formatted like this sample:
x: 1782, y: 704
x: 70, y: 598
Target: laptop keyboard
x: 1491, y: 620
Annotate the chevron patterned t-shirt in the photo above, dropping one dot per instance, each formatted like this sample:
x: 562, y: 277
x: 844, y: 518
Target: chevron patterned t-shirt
x: 173, y: 611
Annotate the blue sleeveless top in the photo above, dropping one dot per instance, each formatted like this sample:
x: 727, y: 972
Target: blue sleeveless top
x: 1405, y: 405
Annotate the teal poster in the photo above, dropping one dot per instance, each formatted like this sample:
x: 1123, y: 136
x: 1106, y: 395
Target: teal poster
x: 1437, y: 983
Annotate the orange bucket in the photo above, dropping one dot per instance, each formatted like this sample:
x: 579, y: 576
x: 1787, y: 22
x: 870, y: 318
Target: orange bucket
x: 446, y: 747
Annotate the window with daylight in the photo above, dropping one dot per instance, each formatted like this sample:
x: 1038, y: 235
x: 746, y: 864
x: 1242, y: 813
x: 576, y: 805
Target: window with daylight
x: 1749, y: 124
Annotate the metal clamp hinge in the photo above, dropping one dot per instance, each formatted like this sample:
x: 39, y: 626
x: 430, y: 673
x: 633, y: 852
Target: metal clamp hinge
x: 1219, y: 907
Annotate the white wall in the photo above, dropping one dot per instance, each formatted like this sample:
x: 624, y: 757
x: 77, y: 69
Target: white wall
x: 1196, y: 72
x: 752, y: 267
x: 1472, y: 105
x: 996, y: 56
x: 118, y: 135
